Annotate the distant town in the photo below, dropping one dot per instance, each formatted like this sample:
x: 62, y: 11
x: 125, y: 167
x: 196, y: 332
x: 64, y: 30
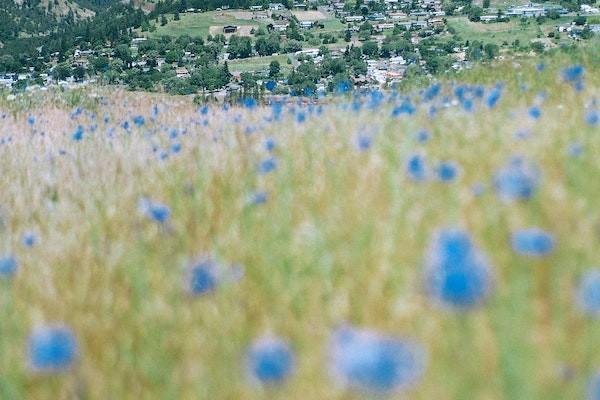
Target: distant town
x: 304, y: 48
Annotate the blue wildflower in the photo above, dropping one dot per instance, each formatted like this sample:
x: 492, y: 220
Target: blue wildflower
x: 270, y: 144
x: 51, y: 349
x: 29, y: 239
x: 78, y: 134
x: 8, y: 266
x: 270, y: 360
x: 593, y: 118
x: 432, y: 91
x: 31, y: 120
x: 467, y: 104
x: 540, y: 67
x: 364, y: 142
x: 202, y: 276
x: 139, y: 120
x: 405, y: 108
x: 343, y: 87
x: 517, y: 180
x: 572, y: 73
x: 271, y: 85
x: 588, y: 294
x: 268, y: 165
x: 175, y: 148
x: 593, y: 390
x: 258, y: 197
x: 368, y: 361
x: 447, y: 171
x: 532, y: 242
x: 492, y: 99
x: 249, y: 102
x: 423, y: 136
x: 457, y: 273
x: 534, y: 112
x: 416, y: 168
x: 157, y: 212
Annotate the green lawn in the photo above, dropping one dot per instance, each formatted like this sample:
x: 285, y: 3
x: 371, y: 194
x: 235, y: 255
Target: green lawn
x: 199, y: 24
x: 257, y: 64
x: 503, y: 31
x: 333, y: 25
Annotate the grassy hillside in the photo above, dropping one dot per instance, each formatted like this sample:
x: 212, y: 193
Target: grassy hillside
x: 107, y: 197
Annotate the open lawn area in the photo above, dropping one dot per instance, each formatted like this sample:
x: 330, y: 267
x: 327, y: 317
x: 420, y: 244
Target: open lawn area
x: 256, y: 64
x: 202, y: 24
x: 503, y: 31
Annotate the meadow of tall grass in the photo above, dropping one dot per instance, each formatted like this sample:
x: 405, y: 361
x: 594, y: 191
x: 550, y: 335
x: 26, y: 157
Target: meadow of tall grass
x: 168, y: 242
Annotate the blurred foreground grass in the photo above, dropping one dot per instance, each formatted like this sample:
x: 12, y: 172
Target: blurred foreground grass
x: 341, y: 238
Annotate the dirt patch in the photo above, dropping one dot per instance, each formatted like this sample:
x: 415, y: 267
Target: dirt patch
x: 309, y: 15
x: 244, y: 30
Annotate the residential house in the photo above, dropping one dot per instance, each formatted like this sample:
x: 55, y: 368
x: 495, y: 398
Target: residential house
x: 182, y: 72
x: 529, y: 10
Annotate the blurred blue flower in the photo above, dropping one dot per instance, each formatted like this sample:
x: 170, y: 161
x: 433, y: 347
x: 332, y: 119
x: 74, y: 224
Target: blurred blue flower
x: 588, y: 293
x: 139, y: 120
x: 259, y: 197
x: 271, y: 85
x: 51, y: 349
x: 266, y: 166
x: 592, y: 118
x: 364, y: 142
x: 493, y: 97
x: 534, y: 112
x: 432, y: 91
x: 29, y: 239
x: 593, y: 390
x: 175, y: 148
x: 405, y: 108
x: 300, y: 117
x: 416, y: 168
x: 367, y: 361
x: 423, y: 136
x: 467, y: 104
x: 447, y: 171
x: 572, y: 73
x: 202, y: 276
x: 270, y: 360
x: 8, y: 266
x: 157, y: 212
x: 78, y: 134
x: 457, y: 273
x: 518, y: 179
x: 532, y: 242
x: 249, y: 102
x: 269, y: 144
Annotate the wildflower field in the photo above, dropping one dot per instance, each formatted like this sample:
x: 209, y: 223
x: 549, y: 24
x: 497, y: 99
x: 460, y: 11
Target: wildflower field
x: 436, y: 243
